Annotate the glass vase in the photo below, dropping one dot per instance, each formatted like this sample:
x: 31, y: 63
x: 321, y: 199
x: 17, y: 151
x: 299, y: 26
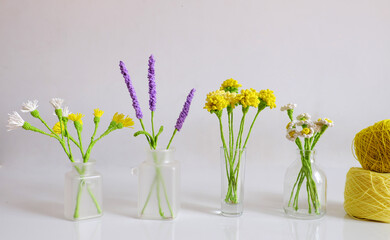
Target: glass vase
x: 158, y: 185
x: 233, y: 175
x: 305, y: 187
x: 83, y: 192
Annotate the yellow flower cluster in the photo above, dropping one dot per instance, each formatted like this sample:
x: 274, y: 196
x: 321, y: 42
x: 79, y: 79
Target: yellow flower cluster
x: 76, y: 117
x: 97, y: 112
x: 120, y: 118
x: 230, y: 85
x: 268, y: 97
x: 248, y: 97
x: 57, y: 128
x: 216, y: 101
x: 231, y: 98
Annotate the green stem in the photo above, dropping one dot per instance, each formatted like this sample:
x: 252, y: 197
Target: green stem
x: 152, y: 115
x: 170, y: 141
x: 149, y: 194
x: 51, y: 130
x: 250, y: 129
x: 99, y: 210
x: 150, y: 141
x: 76, y: 210
x: 166, y: 194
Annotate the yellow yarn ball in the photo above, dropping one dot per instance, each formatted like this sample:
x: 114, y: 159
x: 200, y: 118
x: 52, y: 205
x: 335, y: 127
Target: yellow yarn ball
x: 372, y: 147
x: 367, y: 195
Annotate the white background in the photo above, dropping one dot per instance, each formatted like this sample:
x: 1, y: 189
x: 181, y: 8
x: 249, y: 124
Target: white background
x: 329, y: 57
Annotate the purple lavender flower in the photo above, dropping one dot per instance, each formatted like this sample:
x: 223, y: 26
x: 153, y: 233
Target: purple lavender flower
x: 184, y: 112
x: 126, y: 76
x: 152, y: 84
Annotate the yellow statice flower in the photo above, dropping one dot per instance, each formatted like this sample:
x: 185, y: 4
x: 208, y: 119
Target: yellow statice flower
x: 216, y: 101
x: 97, y: 112
x: 230, y: 85
x: 118, y: 118
x: 248, y: 97
x: 57, y: 128
x: 76, y: 117
x: 231, y: 98
x: 268, y: 97
x: 128, y: 122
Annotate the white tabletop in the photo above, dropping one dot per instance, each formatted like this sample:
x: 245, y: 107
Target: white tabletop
x: 31, y: 207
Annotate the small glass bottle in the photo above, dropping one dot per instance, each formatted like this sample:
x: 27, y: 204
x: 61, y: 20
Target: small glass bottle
x: 305, y: 187
x: 158, y: 185
x: 232, y: 179
x: 83, y: 192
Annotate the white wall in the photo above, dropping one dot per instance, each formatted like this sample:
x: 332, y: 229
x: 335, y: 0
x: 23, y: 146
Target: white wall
x: 330, y: 57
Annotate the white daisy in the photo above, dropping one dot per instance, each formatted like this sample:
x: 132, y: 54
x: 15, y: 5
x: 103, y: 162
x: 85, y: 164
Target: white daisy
x: 29, y: 106
x: 303, y: 116
x: 308, y: 123
x: 289, y: 106
x: 307, y: 132
x: 291, y: 124
x: 292, y: 134
x: 325, y: 121
x: 57, y: 102
x: 65, y: 111
x: 14, y: 121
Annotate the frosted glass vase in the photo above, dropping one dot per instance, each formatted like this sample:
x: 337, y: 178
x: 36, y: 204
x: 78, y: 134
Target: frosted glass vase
x: 158, y: 185
x: 305, y: 188
x: 83, y: 192
x: 232, y: 179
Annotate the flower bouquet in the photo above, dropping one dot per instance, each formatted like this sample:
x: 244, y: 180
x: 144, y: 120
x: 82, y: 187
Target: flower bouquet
x: 304, y: 171
x: 159, y: 174
x: 83, y: 178
x: 232, y: 151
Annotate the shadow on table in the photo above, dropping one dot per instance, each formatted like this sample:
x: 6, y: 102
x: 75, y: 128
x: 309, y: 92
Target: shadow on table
x: 46, y: 208
x: 265, y: 202
x: 201, y: 203
x: 121, y: 206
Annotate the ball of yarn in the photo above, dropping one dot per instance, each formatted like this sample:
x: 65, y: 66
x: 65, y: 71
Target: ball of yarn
x: 367, y: 195
x: 372, y: 147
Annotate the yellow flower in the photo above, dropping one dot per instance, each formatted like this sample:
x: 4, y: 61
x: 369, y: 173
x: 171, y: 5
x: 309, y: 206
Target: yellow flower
x: 268, y: 97
x: 76, y: 117
x: 216, y: 101
x: 305, y: 131
x: 128, y: 122
x: 57, y: 128
x: 118, y: 118
x: 230, y: 85
x: 248, y: 97
x: 97, y: 112
x: 231, y: 98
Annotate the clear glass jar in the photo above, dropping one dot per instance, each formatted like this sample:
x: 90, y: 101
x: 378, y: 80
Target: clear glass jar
x: 232, y: 179
x: 158, y: 185
x: 83, y: 192
x: 305, y: 187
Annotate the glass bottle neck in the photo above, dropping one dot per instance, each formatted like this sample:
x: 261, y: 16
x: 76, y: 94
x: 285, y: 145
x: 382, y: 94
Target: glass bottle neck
x: 84, y: 168
x: 160, y: 156
x: 308, y: 155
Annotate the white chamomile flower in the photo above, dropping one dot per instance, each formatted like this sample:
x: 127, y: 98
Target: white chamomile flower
x: 291, y: 124
x: 57, y: 102
x: 307, y: 132
x: 303, y: 116
x: 289, y: 106
x: 292, y: 134
x: 308, y: 123
x: 325, y: 121
x: 14, y: 121
x: 29, y: 106
x: 65, y: 111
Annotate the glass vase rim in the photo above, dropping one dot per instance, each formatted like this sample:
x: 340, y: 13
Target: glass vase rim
x: 161, y: 149
x: 79, y: 162
x: 303, y: 150
x: 244, y: 149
